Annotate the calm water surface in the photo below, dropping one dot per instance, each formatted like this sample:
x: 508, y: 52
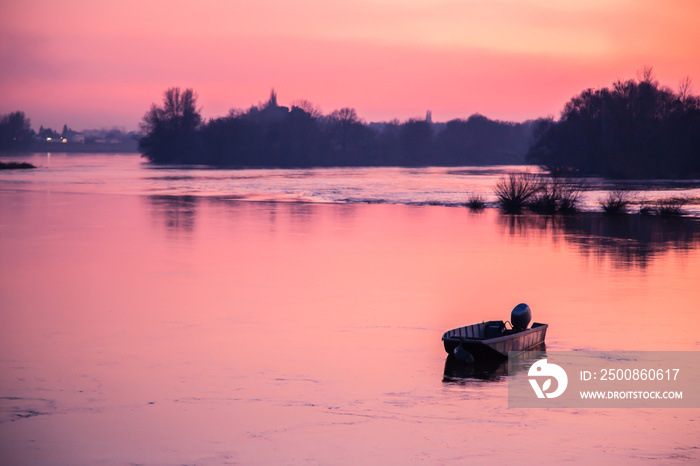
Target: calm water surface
x: 152, y: 318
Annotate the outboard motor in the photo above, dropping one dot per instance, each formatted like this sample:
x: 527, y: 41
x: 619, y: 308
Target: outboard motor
x: 520, y: 317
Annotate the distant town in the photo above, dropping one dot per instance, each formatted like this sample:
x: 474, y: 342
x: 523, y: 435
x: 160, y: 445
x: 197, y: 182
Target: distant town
x: 16, y: 134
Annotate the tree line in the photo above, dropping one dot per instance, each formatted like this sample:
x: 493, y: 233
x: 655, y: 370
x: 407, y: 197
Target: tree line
x: 271, y: 135
x: 635, y: 130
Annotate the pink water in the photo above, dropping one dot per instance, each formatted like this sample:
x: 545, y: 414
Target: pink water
x: 199, y: 330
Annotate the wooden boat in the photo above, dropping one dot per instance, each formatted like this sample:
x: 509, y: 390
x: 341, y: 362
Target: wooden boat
x: 492, y: 340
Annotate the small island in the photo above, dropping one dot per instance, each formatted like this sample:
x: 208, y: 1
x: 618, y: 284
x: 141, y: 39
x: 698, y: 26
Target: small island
x: 15, y: 165
x: 270, y: 135
x: 636, y: 130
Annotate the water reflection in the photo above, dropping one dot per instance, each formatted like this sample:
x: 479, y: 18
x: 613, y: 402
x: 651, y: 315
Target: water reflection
x: 177, y: 213
x: 301, y: 212
x: 461, y: 373
x: 489, y: 370
x: 626, y: 240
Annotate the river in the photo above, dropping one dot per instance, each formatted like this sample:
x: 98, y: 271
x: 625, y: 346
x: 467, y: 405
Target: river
x: 199, y: 316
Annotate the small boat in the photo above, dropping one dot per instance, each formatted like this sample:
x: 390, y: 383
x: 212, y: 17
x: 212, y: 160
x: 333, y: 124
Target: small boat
x: 492, y: 339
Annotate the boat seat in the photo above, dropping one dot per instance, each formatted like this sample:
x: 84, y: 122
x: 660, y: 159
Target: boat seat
x: 494, y: 329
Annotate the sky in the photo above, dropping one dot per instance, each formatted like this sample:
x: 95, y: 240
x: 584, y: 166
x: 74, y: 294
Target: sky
x: 101, y: 64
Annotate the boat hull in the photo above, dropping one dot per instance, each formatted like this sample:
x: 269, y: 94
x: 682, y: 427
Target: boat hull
x: 473, y: 338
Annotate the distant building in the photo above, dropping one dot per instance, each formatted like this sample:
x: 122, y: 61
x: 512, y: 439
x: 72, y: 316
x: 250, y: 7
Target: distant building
x: 76, y: 137
x: 269, y: 111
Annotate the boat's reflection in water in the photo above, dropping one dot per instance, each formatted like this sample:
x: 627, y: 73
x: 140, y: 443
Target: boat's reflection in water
x: 490, y: 370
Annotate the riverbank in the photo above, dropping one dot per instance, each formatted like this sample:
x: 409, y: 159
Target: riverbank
x: 53, y: 147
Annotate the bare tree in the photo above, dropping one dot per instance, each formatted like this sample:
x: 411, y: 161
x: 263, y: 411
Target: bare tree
x: 685, y: 89
x: 179, y: 112
x: 646, y: 75
x: 309, y: 108
x: 170, y: 131
x: 345, y: 116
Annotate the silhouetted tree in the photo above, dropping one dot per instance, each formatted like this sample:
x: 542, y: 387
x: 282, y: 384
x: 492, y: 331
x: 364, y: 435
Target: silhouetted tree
x: 233, y: 140
x: 387, y: 146
x: 301, y: 139
x: 45, y: 133
x: 15, y: 131
x: 349, y: 138
x: 171, y: 131
x: 634, y: 130
x: 342, y: 124
x: 309, y: 108
x: 481, y: 141
x: 416, y: 141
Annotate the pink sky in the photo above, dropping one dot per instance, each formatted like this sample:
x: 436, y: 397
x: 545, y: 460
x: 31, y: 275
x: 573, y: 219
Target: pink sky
x: 95, y: 64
